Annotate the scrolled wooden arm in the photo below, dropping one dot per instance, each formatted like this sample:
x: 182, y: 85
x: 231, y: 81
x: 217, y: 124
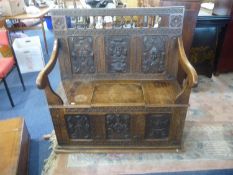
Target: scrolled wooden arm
x: 42, y: 80
x: 192, y: 77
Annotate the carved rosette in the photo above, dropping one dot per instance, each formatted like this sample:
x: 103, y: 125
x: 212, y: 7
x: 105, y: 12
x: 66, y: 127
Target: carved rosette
x: 118, y: 126
x: 82, y: 55
x: 153, y: 58
x: 176, y: 21
x: 157, y: 126
x: 59, y: 23
x: 78, y: 126
x: 117, y: 54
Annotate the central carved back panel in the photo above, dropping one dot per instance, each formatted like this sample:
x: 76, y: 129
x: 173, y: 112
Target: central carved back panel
x: 117, y: 43
x: 117, y: 54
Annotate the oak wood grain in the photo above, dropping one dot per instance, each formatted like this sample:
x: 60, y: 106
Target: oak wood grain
x: 42, y: 80
x: 122, y: 89
x: 188, y: 68
x: 14, y: 147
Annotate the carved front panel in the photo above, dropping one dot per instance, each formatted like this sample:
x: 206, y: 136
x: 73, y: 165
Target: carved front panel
x: 117, y: 54
x: 118, y: 126
x: 82, y: 56
x: 157, y: 126
x: 153, y: 58
x: 78, y: 127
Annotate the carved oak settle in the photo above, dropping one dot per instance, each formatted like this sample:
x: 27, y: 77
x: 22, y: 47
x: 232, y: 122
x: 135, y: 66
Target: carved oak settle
x: 119, y: 76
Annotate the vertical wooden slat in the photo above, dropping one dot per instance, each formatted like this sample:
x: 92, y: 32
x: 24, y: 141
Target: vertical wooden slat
x: 171, y: 59
x: 98, y: 127
x: 139, y: 45
x: 59, y: 125
x: 131, y: 21
x: 96, y: 51
x: 177, y: 126
x: 64, y: 130
x: 100, y: 48
x: 138, y: 129
x: 133, y: 55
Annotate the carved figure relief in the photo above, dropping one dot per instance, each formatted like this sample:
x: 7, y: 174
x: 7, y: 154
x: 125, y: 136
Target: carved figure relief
x: 153, y: 59
x: 117, y: 54
x: 78, y: 126
x: 118, y: 126
x: 157, y: 126
x: 82, y: 55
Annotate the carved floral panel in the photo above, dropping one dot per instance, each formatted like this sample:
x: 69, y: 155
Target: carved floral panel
x: 78, y: 126
x: 117, y: 54
x: 176, y: 20
x: 153, y: 58
x: 157, y: 126
x: 118, y: 126
x: 59, y: 23
x: 82, y: 56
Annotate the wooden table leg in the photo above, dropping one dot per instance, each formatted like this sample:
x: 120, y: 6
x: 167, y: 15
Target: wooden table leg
x: 44, y: 35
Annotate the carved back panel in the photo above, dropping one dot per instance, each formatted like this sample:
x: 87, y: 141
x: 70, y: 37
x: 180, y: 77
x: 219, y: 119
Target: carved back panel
x: 130, y: 43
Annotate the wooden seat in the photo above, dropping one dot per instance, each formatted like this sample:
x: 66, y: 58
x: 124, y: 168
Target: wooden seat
x: 121, y: 93
x: 121, y: 84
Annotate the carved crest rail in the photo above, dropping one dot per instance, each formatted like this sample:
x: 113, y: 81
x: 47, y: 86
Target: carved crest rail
x: 135, y: 21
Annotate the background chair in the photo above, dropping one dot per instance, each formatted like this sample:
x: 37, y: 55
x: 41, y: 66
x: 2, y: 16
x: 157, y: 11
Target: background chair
x: 8, y: 62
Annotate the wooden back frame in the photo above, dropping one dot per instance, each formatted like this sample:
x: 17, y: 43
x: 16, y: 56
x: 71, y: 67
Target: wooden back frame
x: 136, y: 43
x: 172, y: 32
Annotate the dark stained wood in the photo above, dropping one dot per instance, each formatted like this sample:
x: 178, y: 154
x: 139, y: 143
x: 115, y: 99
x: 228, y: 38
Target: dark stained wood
x: 121, y: 85
x: 43, y: 80
x: 208, y: 43
x: 187, y: 67
x: 192, y: 8
x: 225, y: 63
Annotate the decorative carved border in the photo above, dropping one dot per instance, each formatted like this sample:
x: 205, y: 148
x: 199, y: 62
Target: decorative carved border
x: 119, y: 11
x: 59, y: 23
x: 125, y: 76
x: 176, y: 20
x: 171, y: 32
x: 175, y: 15
x: 120, y: 109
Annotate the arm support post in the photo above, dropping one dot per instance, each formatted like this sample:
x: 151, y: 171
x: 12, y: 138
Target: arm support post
x: 42, y: 80
x: 191, y: 79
